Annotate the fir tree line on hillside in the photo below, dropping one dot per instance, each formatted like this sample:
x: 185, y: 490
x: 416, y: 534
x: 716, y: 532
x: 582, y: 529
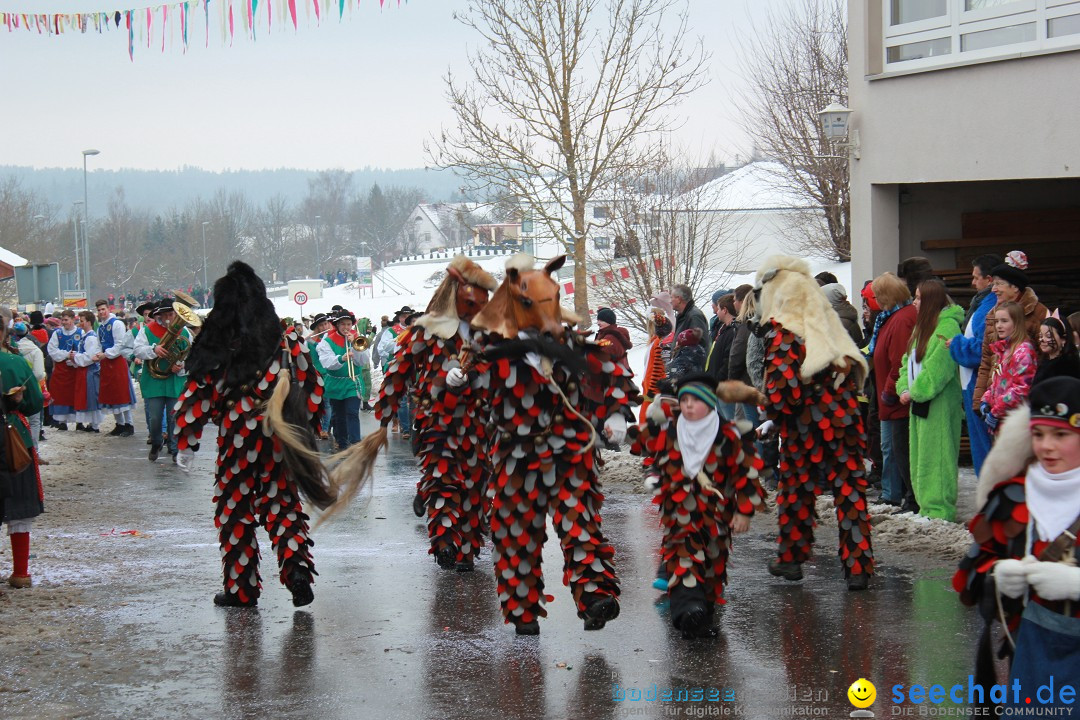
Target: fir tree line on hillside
x: 133, y: 248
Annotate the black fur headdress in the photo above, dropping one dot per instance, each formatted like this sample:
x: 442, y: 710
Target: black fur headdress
x: 240, y: 334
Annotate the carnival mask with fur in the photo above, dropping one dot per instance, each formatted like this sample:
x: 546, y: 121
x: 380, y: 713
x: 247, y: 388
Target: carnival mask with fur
x: 527, y: 299
x: 470, y: 298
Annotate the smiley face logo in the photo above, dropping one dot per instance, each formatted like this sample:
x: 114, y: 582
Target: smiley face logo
x: 862, y: 693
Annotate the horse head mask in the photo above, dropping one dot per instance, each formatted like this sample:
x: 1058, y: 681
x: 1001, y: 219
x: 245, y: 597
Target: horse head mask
x: 527, y: 299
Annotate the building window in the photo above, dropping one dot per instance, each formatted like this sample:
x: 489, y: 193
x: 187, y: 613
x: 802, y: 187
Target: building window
x: 601, y: 243
x: 932, y: 34
x: 918, y: 50
x: 1058, y: 27
x: 908, y: 11
x: 600, y: 212
x: 997, y: 37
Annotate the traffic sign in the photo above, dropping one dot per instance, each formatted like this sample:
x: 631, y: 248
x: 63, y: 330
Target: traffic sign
x: 300, y: 297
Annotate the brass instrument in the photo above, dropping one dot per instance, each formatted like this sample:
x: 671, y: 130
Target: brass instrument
x: 174, y: 342
x: 360, y: 344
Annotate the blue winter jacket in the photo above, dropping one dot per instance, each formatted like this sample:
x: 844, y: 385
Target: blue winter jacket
x: 967, y: 351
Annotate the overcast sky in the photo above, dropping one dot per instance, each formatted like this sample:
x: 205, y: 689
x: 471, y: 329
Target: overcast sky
x: 366, y: 91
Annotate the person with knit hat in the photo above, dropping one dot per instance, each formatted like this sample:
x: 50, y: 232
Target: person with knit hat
x: 1022, y: 566
x: 611, y: 337
x: 718, y: 467
x: 1010, y: 284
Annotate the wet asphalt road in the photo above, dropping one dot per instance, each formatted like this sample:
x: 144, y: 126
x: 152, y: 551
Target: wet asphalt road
x: 390, y: 635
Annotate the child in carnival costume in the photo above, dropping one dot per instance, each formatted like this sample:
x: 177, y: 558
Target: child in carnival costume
x: 549, y: 391
x: 703, y: 472
x: 260, y: 386
x: 433, y: 360
x: 1022, y: 567
x: 813, y: 374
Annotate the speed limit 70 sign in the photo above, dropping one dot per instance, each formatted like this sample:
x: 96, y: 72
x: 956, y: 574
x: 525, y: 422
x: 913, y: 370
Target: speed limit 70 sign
x: 300, y: 297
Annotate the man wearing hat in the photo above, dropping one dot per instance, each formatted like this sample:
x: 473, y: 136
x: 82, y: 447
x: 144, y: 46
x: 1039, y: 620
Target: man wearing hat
x: 116, y: 394
x: 338, y: 358
x: 1010, y: 284
x: 1032, y: 473
x: 160, y: 395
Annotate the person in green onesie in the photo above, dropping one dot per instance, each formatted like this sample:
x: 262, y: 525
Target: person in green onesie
x: 929, y: 383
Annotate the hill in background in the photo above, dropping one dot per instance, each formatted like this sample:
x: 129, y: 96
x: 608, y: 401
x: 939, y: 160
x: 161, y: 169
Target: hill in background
x: 158, y: 190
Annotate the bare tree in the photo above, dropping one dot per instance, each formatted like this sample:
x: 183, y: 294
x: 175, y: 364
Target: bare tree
x: 565, y: 97
x: 795, y: 64
x: 328, y: 200
x: 275, y: 239
x: 668, y: 228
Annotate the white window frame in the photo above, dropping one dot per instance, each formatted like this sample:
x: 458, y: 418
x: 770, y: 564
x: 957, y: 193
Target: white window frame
x: 958, y: 22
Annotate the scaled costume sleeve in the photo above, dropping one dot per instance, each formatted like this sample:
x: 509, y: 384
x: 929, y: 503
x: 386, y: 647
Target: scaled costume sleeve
x: 399, y: 376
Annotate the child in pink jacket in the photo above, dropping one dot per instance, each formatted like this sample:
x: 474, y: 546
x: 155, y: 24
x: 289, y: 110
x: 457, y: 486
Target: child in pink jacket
x: 1014, y: 367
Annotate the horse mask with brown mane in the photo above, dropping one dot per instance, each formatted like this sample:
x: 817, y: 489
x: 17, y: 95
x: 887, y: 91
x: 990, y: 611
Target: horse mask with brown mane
x: 527, y: 299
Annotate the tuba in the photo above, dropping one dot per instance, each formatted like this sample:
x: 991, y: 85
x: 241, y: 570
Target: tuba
x: 174, y: 342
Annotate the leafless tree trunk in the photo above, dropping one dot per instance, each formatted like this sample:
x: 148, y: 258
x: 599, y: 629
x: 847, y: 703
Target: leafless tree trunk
x: 668, y: 229
x: 563, y: 99
x: 795, y: 64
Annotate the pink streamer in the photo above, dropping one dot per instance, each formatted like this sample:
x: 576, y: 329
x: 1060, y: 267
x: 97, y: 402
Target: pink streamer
x: 292, y: 12
x: 230, y: 23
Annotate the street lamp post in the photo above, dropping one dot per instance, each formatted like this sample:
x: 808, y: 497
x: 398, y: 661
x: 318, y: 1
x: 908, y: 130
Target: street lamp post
x: 318, y: 257
x: 78, y: 281
x: 86, y: 218
x: 205, y: 286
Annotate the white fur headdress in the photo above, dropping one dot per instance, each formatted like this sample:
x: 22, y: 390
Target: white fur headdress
x: 1010, y: 455
x: 791, y: 297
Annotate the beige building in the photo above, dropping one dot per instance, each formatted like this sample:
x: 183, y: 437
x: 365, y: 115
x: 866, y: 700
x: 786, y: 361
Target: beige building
x: 966, y: 132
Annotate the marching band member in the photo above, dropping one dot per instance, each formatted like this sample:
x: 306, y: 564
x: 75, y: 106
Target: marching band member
x: 160, y: 394
x: 341, y: 361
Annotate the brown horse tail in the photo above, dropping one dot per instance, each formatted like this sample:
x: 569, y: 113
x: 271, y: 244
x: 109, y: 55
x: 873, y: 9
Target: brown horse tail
x: 355, y: 467
x: 286, y: 410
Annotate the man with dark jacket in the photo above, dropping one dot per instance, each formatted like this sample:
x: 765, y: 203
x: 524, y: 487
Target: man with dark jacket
x: 687, y: 314
x: 614, y: 339
x: 719, y: 354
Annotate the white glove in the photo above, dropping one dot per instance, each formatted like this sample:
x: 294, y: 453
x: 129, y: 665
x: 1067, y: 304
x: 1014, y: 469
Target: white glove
x: 184, y: 459
x: 455, y: 378
x: 765, y: 428
x: 615, y: 429
x: 1054, y: 581
x: 1011, y: 577
x: 652, y: 482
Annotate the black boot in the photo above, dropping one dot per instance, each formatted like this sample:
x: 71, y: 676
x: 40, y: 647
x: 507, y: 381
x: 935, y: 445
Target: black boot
x: 117, y: 431
x: 788, y: 571
x: 79, y: 427
x: 155, y: 450
x: 696, y: 623
x: 418, y: 505
x: 224, y: 599
x: 446, y: 557
x: 527, y: 628
x: 858, y: 582
x: 62, y: 427
x: 127, y: 431
x: 466, y: 565
x: 600, y: 612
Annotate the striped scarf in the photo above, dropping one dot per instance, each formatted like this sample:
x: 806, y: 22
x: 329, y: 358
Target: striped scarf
x: 880, y: 320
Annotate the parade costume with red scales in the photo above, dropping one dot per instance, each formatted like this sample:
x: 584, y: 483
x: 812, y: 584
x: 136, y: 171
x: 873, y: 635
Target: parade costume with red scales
x: 813, y: 373
x: 450, y: 439
x: 544, y: 447
x: 262, y: 417
x: 697, y: 518
x: 450, y: 433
